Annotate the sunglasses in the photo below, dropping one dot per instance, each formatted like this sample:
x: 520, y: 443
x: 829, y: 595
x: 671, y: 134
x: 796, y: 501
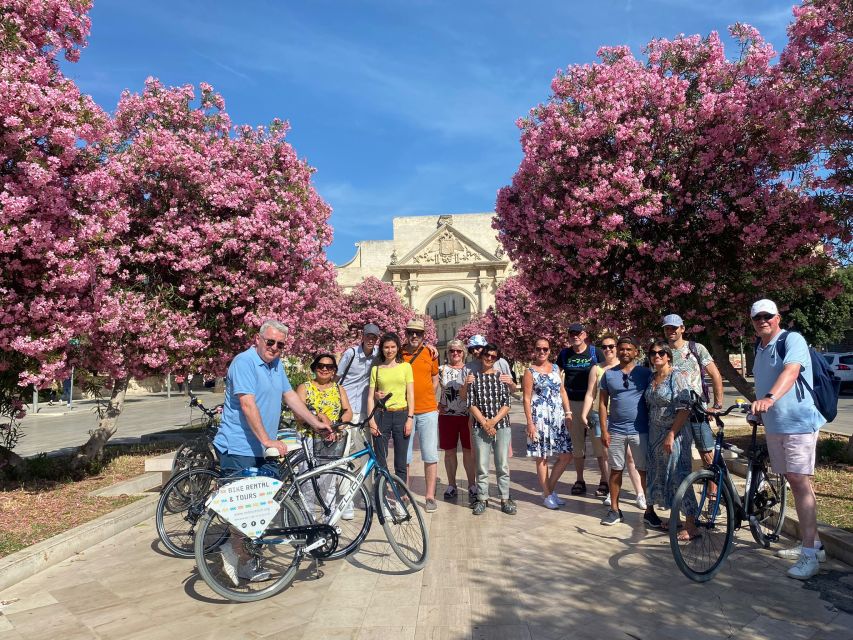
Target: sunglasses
x: 490, y: 356
x: 473, y: 349
x: 456, y: 351
x: 274, y: 343
x: 625, y: 380
x: 608, y: 346
x: 542, y: 349
x: 326, y: 366
x: 575, y: 333
x: 762, y: 317
x: 413, y: 332
x: 656, y: 353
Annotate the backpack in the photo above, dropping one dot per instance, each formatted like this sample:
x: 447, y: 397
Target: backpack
x: 826, y: 385
x: 691, y: 346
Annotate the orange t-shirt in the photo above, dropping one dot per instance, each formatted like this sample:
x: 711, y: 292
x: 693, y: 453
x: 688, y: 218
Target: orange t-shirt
x: 424, y: 367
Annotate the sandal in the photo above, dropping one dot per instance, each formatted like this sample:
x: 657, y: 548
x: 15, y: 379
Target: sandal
x: 603, y: 489
x: 579, y: 488
x: 508, y: 507
x: 686, y: 536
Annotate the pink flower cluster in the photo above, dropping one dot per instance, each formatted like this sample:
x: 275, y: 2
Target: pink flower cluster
x: 378, y: 302
x: 687, y: 182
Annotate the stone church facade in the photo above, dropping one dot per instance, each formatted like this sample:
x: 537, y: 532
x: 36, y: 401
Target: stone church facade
x: 447, y: 266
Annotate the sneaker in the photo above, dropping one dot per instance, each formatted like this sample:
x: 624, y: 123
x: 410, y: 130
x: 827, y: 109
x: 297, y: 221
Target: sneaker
x: 431, y: 505
x: 348, y: 513
x: 806, y: 567
x: 451, y: 493
x: 558, y: 499
x: 550, y: 503
x: 796, y: 552
x: 250, y: 573
x: 641, y: 502
x: 480, y: 507
x: 508, y: 507
x: 229, y: 563
x: 652, y: 520
x: 607, y: 501
x: 612, y: 517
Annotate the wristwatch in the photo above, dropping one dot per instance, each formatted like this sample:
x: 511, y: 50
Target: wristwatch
x: 718, y: 406
x: 411, y: 417
x: 771, y: 396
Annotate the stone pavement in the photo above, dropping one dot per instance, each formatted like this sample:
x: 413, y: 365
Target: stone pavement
x: 540, y: 575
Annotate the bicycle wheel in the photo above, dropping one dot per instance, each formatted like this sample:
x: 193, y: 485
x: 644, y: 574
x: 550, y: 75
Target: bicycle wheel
x: 701, y: 557
x: 403, y: 522
x: 195, y: 454
x: 767, y: 506
x: 321, y: 495
x: 180, y: 506
x: 264, y: 567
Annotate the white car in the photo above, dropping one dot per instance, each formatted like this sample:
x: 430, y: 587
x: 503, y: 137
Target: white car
x: 842, y: 366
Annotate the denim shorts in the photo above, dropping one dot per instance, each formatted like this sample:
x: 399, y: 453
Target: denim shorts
x: 702, y: 435
x: 232, y: 465
x: 425, y: 425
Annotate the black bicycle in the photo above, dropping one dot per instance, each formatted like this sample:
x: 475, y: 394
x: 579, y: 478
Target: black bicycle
x: 709, y: 496
x: 199, y: 453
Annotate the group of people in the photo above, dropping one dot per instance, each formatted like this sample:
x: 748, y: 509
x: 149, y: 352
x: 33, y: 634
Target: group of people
x: 642, y: 419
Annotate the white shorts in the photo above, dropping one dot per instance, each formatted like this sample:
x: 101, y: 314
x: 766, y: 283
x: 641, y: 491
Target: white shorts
x: 792, y: 452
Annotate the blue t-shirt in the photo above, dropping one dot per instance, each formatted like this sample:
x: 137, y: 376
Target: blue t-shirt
x: 628, y: 413
x: 794, y: 412
x: 248, y: 374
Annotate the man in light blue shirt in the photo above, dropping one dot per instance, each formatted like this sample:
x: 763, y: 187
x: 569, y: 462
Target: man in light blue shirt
x: 254, y: 387
x: 791, y: 423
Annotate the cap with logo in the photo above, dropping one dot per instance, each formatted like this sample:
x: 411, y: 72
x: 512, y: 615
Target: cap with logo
x: 763, y: 306
x: 672, y: 320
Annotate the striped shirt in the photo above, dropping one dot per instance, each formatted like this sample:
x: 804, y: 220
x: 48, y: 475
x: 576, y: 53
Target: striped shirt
x: 489, y: 395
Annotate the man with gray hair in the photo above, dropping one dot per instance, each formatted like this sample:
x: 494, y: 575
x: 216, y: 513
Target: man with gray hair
x: 254, y: 386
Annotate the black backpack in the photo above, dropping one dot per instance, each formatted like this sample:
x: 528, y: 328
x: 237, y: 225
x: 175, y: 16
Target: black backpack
x: 826, y: 385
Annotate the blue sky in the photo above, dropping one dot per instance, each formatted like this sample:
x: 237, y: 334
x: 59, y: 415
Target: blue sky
x: 403, y: 108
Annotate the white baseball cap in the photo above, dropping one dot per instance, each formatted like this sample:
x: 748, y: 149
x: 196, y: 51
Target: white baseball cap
x: 763, y: 306
x: 672, y: 320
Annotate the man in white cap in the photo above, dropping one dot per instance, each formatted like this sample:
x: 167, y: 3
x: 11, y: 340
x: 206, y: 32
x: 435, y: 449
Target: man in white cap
x: 690, y: 362
x: 791, y: 423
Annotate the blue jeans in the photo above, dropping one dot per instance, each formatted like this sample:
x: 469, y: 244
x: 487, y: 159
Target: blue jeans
x: 232, y: 465
x: 426, y: 426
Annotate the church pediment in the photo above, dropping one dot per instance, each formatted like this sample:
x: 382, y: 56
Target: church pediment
x: 447, y: 246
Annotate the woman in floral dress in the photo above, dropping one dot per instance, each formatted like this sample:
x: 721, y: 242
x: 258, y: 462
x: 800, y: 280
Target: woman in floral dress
x: 669, y: 461
x: 546, y: 407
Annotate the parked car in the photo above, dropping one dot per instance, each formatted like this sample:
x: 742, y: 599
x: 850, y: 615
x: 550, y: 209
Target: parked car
x: 842, y: 366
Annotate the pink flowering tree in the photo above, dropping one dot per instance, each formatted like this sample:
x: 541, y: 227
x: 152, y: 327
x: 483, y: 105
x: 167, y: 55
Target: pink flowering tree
x: 658, y: 185
x: 222, y: 229
x: 376, y: 301
x: 47, y: 197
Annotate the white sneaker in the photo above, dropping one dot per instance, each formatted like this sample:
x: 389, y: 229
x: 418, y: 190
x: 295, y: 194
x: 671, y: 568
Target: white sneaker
x: 641, y: 502
x: 248, y: 572
x: 806, y: 567
x: 557, y: 498
x: 607, y: 500
x: 349, y: 513
x: 795, y: 552
x: 229, y: 563
x: 550, y: 503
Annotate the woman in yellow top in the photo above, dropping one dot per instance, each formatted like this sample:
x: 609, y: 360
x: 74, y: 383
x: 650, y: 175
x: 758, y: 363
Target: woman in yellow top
x: 392, y: 375
x: 324, y: 396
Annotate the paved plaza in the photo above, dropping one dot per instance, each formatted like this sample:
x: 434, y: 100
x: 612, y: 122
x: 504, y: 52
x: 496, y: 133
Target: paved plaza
x: 540, y: 574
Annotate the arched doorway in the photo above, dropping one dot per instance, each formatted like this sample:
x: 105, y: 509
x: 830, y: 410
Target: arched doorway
x: 449, y: 309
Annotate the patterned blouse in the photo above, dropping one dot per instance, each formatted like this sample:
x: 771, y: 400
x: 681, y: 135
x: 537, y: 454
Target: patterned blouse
x: 322, y: 401
x: 489, y: 394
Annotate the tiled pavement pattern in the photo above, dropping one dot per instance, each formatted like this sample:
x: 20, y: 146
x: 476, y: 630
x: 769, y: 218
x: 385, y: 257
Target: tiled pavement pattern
x: 540, y: 574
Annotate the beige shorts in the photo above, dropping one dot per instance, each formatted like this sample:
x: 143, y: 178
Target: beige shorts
x: 579, y: 434
x: 792, y: 452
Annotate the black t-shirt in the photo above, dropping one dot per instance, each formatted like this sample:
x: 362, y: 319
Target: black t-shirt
x: 576, y: 368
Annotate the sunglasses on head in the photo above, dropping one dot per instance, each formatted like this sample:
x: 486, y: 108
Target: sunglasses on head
x: 763, y: 317
x: 327, y: 366
x: 273, y: 343
x: 608, y: 346
x: 655, y: 353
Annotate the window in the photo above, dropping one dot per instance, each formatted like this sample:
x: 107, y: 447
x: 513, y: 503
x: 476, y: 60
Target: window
x: 464, y: 302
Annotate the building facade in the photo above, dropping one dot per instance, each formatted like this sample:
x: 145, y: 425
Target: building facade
x: 447, y: 266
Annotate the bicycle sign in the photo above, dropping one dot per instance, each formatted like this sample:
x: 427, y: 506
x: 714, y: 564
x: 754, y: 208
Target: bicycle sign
x: 247, y: 504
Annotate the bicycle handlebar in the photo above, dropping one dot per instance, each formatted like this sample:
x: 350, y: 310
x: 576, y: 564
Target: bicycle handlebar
x: 380, y: 404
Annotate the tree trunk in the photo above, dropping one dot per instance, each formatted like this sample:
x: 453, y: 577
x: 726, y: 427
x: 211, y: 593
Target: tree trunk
x: 9, y: 458
x: 721, y: 359
x: 107, y: 425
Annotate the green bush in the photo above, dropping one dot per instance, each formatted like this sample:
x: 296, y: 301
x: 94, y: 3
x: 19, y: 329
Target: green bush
x: 833, y: 450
